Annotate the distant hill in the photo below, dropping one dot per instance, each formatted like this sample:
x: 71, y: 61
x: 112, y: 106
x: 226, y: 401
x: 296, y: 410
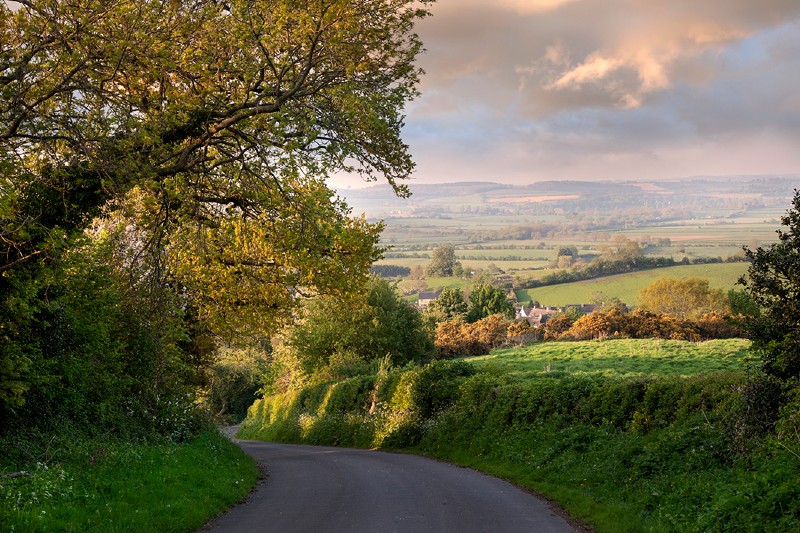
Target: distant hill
x: 693, y: 192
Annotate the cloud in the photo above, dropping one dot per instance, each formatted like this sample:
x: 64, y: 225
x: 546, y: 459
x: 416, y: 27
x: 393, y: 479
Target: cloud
x: 605, y: 88
x: 622, y: 50
x: 640, y: 62
x: 534, y: 6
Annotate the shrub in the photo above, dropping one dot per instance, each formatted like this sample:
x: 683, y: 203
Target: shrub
x: 641, y: 324
x: 436, y: 385
x: 461, y: 338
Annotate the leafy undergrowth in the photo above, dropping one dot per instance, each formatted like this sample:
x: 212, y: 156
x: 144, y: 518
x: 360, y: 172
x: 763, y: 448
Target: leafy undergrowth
x: 644, y: 453
x: 90, y: 485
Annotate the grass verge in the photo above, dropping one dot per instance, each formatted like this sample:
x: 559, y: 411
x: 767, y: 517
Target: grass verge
x: 93, y: 485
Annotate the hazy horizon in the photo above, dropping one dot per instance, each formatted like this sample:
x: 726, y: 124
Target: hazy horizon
x: 360, y: 184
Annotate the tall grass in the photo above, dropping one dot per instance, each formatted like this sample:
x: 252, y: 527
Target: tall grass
x: 92, y: 485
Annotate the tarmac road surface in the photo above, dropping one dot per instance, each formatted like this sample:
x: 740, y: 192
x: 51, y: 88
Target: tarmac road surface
x: 331, y: 490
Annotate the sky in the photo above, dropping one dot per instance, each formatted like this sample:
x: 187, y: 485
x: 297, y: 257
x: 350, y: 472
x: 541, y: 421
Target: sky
x: 520, y: 91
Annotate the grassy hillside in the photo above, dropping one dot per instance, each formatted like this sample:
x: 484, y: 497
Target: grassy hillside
x: 627, y: 286
x: 619, y: 436
x: 619, y: 358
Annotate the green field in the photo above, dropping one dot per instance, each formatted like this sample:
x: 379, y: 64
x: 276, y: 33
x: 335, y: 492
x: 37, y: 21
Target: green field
x: 487, y: 227
x: 618, y: 358
x: 627, y: 286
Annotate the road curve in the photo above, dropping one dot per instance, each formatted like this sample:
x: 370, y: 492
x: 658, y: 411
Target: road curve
x: 330, y: 490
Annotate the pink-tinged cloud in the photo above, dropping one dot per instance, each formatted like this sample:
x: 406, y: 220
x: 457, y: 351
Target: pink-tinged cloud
x: 520, y: 90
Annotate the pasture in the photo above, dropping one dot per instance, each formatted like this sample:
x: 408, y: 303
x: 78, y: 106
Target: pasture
x: 618, y: 358
x: 627, y: 286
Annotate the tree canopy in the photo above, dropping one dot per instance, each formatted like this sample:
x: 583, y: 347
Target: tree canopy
x: 187, y: 143
x: 621, y: 248
x: 364, y: 329
x: 443, y: 261
x: 684, y: 298
x: 773, y: 282
x: 486, y: 300
x: 214, y: 123
x: 449, y: 305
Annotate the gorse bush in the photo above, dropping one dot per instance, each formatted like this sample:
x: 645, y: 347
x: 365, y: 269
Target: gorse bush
x: 641, y: 324
x: 458, y: 338
x: 476, y: 338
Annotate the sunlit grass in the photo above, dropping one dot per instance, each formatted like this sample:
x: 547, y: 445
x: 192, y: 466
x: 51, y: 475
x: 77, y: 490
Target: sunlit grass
x: 627, y: 286
x: 620, y: 357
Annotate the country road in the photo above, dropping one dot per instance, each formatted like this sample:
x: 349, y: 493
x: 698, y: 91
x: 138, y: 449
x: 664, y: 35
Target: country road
x: 326, y: 490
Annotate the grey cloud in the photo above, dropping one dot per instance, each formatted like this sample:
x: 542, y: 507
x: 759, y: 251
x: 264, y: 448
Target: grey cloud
x: 689, y: 87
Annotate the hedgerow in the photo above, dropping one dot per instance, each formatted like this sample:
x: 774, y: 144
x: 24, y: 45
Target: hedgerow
x: 660, y: 453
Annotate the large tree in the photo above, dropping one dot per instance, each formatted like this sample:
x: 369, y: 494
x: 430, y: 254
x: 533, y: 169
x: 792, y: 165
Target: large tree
x: 685, y: 298
x: 773, y: 281
x: 486, y: 300
x: 363, y: 329
x: 448, y: 306
x: 443, y: 261
x: 222, y: 119
x: 621, y: 248
x: 201, y: 132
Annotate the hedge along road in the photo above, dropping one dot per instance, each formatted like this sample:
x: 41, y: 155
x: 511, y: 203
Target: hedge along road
x: 326, y: 490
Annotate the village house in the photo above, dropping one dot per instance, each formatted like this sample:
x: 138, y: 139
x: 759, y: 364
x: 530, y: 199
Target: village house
x: 537, y: 315
x: 425, y: 298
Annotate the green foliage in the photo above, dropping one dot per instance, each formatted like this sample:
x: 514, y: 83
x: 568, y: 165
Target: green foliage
x: 235, y: 376
x: 99, y: 355
x: 448, y: 306
x: 110, y: 485
x: 193, y: 157
x: 359, y: 411
x: 567, y: 250
x: 335, y: 334
x: 443, y: 261
x: 389, y: 271
x: 348, y: 395
x: 486, y: 300
x: 742, y: 304
x: 622, y: 249
x: 190, y: 143
x: 604, y: 303
x: 436, y: 385
x: 773, y: 282
x: 684, y: 298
